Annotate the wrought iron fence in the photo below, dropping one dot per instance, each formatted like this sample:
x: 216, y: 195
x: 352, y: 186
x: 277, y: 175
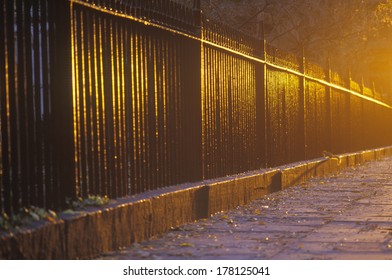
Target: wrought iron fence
x: 118, y: 97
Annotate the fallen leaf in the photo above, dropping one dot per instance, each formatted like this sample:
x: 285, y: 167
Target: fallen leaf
x: 69, y: 211
x: 52, y: 213
x: 185, y: 244
x: 51, y: 219
x: 34, y: 216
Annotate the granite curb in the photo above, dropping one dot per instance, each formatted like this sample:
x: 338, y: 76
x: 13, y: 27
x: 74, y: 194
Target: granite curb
x: 85, y: 234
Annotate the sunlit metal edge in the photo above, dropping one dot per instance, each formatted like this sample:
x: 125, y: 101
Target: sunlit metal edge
x: 92, y: 6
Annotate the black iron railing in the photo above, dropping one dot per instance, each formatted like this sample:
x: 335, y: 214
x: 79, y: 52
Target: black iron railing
x: 121, y: 97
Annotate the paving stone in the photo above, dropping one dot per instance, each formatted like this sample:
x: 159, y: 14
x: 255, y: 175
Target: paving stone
x: 345, y: 216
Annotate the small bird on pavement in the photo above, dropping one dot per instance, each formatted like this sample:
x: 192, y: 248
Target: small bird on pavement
x: 330, y: 155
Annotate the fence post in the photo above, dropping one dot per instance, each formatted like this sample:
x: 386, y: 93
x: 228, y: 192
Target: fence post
x: 6, y: 37
x: 197, y: 13
x: 192, y: 90
x: 196, y: 5
x: 261, y: 104
x: 62, y: 102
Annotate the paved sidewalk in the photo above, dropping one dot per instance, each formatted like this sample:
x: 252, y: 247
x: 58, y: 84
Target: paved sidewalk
x: 348, y: 216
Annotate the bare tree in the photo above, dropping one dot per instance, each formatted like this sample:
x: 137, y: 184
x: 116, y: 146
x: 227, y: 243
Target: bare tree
x: 349, y: 32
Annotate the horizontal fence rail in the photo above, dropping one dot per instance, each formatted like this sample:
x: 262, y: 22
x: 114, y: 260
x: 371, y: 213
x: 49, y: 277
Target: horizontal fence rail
x: 119, y: 97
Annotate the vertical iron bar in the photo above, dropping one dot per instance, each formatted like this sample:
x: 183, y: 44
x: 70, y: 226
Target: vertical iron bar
x: 328, y: 96
x: 49, y: 199
x: 4, y: 167
x: 2, y: 80
x: 302, y: 109
x: 22, y: 93
x: 11, y: 102
x: 347, y: 115
x: 37, y: 99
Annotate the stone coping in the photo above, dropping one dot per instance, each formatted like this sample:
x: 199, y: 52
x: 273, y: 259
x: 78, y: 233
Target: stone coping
x: 85, y: 234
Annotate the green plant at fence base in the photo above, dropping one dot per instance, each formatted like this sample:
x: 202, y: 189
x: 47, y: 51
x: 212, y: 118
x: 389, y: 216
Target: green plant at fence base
x: 91, y: 200
x: 35, y: 214
x: 4, y: 222
x: 26, y: 216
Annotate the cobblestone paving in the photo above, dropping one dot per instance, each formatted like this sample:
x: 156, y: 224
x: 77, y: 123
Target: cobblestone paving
x: 347, y: 216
